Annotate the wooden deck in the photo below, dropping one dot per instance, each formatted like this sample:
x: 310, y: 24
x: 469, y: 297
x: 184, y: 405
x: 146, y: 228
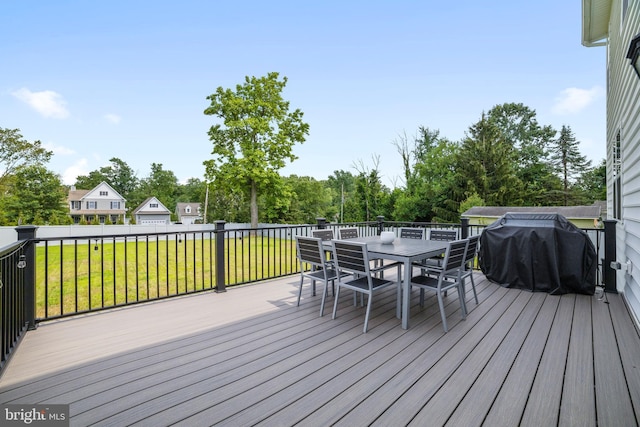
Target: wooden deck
x: 250, y: 356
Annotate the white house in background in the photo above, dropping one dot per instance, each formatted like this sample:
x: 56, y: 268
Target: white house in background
x: 152, y: 211
x: 614, y: 24
x: 96, y: 205
x: 188, y: 213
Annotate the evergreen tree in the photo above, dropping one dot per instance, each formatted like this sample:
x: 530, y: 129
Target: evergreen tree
x: 531, y: 143
x: 485, y: 167
x: 567, y: 160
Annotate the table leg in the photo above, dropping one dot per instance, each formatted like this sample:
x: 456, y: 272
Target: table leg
x: 406, y: 294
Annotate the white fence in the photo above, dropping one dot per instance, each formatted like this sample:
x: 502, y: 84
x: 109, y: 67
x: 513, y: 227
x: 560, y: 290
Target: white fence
x: 9, y: 235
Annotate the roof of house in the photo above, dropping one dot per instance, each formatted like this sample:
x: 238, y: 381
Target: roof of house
x: 143, y: 208
x: 180, y: 208
x: 595, y: 21
x: 75, y: 195
x: 575, y: 212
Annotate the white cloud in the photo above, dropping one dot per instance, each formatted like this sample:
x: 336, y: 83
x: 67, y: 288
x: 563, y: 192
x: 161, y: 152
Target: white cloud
x: 58, y: 149
x: 47, y: 102
x: 573, y: 100
x: 81, y: 167
x: 113, y: 118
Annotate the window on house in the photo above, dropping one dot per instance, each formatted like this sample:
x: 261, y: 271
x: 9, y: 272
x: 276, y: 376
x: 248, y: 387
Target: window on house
x: 187, y: 209
x: 76, y: 204
x: 115, y: 205
x: 153, y: 205
x: 617, y: 178
x: 198, y: 209
x: 104, y: 193
x: 92, y: 205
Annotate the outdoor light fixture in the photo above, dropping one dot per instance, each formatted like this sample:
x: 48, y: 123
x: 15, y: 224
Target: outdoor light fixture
x: 634, y: 54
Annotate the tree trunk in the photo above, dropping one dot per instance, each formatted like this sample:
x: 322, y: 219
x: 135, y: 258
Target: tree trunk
x: 254, y: 205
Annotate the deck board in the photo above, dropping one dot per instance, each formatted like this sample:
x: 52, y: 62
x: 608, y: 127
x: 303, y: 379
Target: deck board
x: 578, y: 394
x: 613, y: 401
x: 509, y: 404
x: 543, y: 405
x: 250, y: 356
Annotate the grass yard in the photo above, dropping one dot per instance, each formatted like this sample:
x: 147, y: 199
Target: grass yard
x: 89, y: 275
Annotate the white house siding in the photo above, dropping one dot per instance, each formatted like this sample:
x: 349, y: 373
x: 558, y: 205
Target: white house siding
x: 623, y: 115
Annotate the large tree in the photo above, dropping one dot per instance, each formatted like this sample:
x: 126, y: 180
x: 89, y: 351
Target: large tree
x: 255, y: 138
x: 36, y: 197
x: 429, y: 178
x: 485, y: 167
x: 569, y: 162
x: 162, y: 184
x: 531, y: 143
x: 16, y: 152
x: 118, y: 175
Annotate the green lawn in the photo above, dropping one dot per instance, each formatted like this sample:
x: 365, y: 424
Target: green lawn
x: 86, y: 276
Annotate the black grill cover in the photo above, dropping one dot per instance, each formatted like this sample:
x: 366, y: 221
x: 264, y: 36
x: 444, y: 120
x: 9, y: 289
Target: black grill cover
x: 538, y: 252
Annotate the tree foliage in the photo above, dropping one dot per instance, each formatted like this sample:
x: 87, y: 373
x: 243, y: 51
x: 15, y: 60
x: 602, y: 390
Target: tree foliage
x: 17, y: 152
x: 119, y: 175
x: 568, y: 161
x: 37, y: 197
x: 505, y: 159
x: 255, y: 138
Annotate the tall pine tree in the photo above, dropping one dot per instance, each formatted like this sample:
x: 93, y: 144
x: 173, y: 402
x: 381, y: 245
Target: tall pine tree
x: 485, y: 166
x: 566, y: 157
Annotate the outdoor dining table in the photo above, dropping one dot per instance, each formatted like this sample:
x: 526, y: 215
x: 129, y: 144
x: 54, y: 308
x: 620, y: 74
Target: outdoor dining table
x: 406, y: 251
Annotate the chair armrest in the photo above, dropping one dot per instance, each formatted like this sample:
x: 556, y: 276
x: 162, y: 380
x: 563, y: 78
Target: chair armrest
x: 386, y: 267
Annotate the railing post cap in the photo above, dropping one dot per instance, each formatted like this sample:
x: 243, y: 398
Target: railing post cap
x: 26, y: 227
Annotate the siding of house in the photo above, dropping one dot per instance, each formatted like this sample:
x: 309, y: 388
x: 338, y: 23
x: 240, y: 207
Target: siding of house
x: 103, y: 195
x: 188, y: 217
x: 152, y: 211
x: 623, y: 117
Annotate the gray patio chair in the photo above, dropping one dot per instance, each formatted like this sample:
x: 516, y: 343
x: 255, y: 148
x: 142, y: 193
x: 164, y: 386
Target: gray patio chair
x: 412, y: 233
x: 469, y: 259
x: 443, y: 236
x: 352, y: 233
x: 314, y: 266
x: 352, y: 258
x: 324, y: 234
x: 347, y: 233
x: 449, y: 277
x: 467, y: 271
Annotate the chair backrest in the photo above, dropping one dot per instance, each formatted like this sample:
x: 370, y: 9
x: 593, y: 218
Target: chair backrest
x: 348, y: 233
x: 443, y: 235
x: 351, y: 257
x: 412, y: 233
x: 472, y: 248
x: 454, y: 257
x: 323, y: 234
x: 309, y: 250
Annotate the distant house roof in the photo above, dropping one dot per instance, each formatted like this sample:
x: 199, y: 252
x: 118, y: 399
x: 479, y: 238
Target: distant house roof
x: 77, y: 194
x: 146, y: 209
x: 181, y: 209
x: 590, y: 212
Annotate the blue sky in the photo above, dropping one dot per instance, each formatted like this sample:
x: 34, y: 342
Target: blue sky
x: 129, y: 79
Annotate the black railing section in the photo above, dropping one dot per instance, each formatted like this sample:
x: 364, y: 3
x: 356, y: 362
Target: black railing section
x: 16, y: 294
x: 47, y: 278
